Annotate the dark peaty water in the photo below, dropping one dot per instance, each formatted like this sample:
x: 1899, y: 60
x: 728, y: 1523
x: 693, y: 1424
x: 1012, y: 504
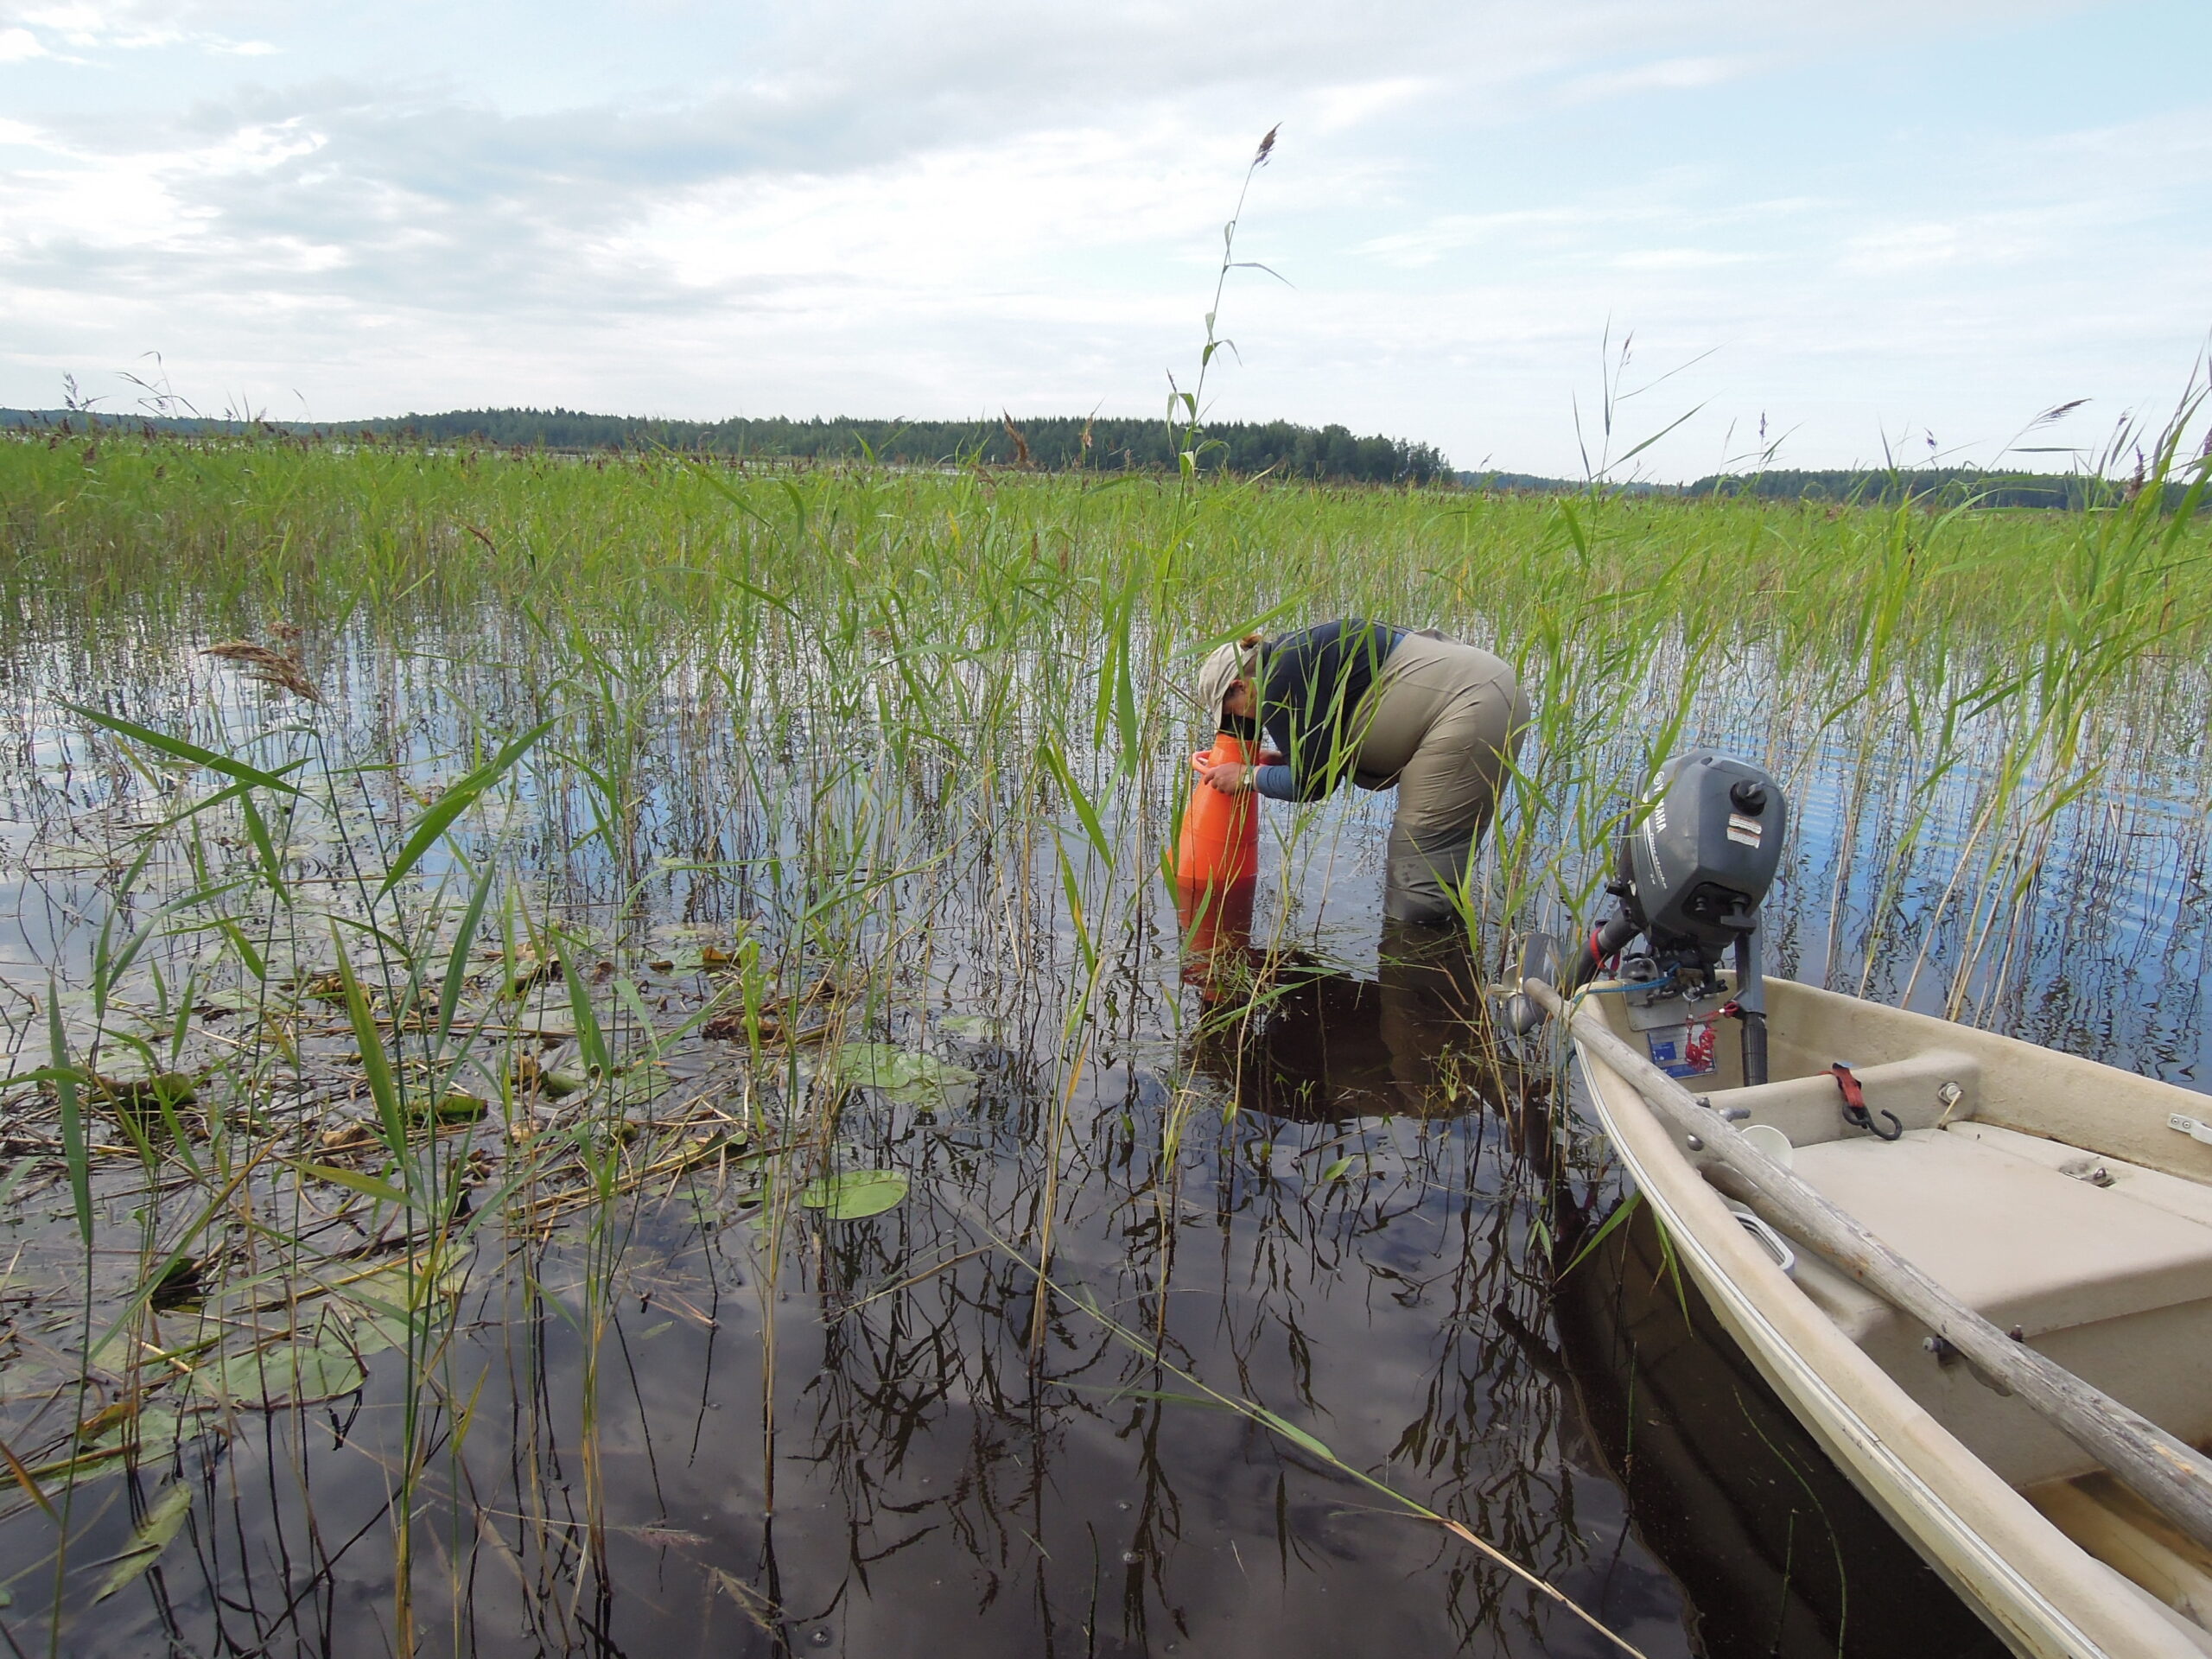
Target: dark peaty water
x: 1350, y: 1250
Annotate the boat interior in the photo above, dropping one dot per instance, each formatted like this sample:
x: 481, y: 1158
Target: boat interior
x: 2069, y: 1204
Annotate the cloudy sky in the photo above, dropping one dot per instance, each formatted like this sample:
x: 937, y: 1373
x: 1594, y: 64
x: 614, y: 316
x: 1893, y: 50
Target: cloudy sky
x: 1859, y: 221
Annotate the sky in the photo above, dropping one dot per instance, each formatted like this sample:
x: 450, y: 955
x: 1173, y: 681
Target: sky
x: 1535, y: 235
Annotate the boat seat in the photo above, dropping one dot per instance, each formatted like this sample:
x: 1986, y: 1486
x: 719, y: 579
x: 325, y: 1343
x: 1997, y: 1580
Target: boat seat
x: 2103, y: 1265
x: 1808, y: 1109
x: 1995, y: 1218
x: 2135, y: 1540
x: 2176, y: 1194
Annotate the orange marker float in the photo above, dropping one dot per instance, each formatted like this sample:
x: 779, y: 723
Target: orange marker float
x: 1217, y: 871
x: 1220, y: 842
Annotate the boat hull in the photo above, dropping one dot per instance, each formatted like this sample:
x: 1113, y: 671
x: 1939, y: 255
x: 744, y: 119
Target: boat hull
x: 1778, y: 1555
x: 2038, y: 1591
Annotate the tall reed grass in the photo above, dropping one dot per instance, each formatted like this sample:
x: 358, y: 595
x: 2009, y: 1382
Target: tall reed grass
x: 653, y: 827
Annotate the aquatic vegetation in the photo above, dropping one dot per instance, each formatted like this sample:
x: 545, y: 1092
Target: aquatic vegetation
x: 583, y: 1025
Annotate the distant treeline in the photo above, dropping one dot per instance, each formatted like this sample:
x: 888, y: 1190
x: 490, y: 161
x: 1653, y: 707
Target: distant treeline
x: 1526, y: 483
x: 1051, y: 442
x: 1943, y: 486
x: 1059, y: 443
x: 1935, y: 486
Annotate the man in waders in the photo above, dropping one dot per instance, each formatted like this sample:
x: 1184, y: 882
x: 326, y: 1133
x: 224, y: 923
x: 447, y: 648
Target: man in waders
x: 1381, y: 707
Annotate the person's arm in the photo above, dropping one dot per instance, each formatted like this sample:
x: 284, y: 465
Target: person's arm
x: 1280, y: 782
x: 1274, y: 780
x: 1271, y: 777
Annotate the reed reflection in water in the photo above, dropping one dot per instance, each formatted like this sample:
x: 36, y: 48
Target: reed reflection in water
x: 610, y: 1469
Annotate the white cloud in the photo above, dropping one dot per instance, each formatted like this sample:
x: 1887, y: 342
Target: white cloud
x: 2010, y: 237
x: 1908, y: 247
x: 943, y: 205
x: 1554, y: 227
x: 17, y: 44
x: 1679, y: 259
x: 1663, y: 74
x: 137, y: 26
x: 1337, y: 109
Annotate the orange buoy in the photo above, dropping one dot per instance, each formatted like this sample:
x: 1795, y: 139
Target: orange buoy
x: 1220, y: 844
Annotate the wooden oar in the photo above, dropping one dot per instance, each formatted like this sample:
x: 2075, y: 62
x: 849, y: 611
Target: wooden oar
x: 2166, y: 1473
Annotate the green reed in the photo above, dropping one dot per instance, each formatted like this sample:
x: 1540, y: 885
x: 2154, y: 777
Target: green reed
x: 560, y: 692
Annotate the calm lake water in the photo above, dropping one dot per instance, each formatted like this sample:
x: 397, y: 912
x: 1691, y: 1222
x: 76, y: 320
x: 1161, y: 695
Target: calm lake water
x: 1314, y: 1243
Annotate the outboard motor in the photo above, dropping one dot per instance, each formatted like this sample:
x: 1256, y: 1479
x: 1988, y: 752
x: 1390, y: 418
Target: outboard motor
x: 1689, y: 879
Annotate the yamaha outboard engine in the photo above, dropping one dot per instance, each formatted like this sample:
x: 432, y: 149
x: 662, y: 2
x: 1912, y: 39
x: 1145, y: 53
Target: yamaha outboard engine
x: 1690, y: 877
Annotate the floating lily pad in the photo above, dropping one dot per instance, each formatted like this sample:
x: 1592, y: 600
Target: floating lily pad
x: 164, y: 1520
x: 454, y: 1107
x: 970, y: 1028
x: 379, y: 1310
x: 856, y: 1195
x: 903, y: 1075
x: 299, y: 1372
x: 152, y: 1433
x: 372, y: 1333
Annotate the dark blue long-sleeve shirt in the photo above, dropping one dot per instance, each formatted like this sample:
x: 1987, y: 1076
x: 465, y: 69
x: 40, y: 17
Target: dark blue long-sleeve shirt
x: 1312, y: 683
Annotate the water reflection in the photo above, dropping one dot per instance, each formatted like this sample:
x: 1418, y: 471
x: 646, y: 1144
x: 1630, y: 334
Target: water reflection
x: 1304, y: 1040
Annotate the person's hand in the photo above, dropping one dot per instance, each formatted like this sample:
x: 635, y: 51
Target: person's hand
x: 1272, y: 757
x: 1231, y: 776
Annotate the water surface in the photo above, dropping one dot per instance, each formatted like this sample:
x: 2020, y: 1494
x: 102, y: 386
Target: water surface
x: 1301, y: 1231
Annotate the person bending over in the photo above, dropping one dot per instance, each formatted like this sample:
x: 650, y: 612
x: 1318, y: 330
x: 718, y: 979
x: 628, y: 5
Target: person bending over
x: 1384, y: 707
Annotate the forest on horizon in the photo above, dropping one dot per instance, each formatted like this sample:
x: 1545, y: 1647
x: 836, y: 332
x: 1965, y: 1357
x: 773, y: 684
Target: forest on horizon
x: 1329, y: 454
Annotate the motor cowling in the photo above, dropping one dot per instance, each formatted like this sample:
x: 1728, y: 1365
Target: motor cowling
x: 1693, y: 867
x: 1698, y: 865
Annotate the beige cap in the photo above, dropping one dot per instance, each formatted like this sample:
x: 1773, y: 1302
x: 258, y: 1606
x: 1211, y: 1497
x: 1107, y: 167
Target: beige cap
x: 1224, y: 667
